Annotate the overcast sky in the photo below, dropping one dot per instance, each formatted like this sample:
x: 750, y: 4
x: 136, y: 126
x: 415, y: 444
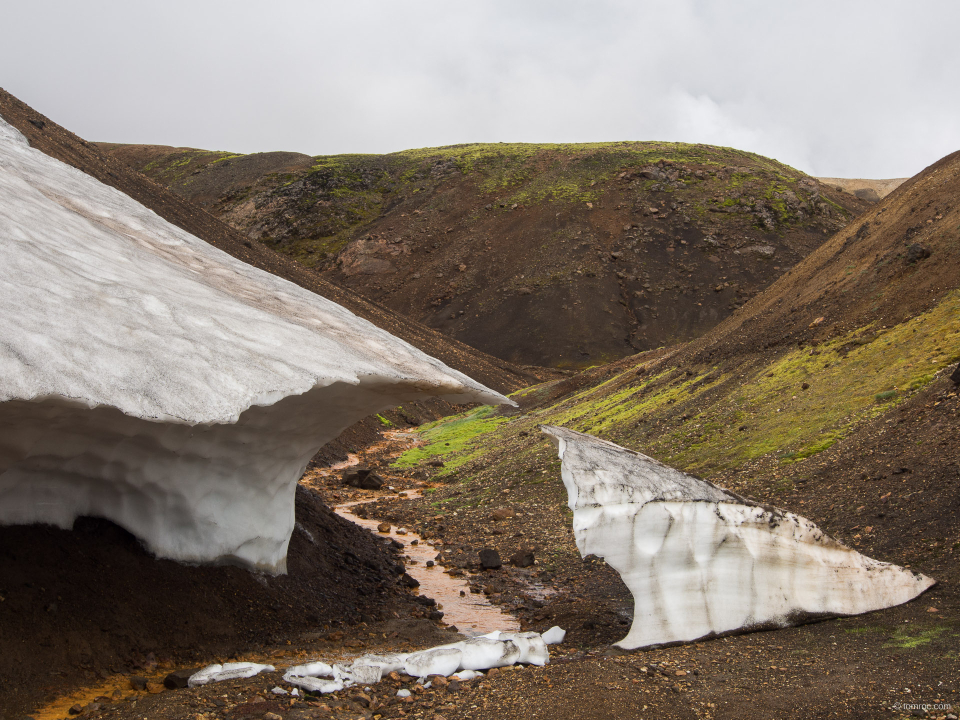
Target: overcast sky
x: 848, y: 89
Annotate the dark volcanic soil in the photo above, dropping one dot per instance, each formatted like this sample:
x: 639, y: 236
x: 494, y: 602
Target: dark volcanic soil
x: 79, y: 606
x: 879, y: 665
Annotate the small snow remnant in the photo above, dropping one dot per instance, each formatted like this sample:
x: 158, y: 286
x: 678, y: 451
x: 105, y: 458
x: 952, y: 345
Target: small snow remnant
x: 554, y: 636
x: 483, y: 653
x: 227, y: 671
x: 494, y: 650
x: 701, y: 560
x: 436, y: 661
x: 465, y: 675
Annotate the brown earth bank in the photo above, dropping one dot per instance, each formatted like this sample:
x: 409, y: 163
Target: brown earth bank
x: 556, y: 255
x: 79, y: 606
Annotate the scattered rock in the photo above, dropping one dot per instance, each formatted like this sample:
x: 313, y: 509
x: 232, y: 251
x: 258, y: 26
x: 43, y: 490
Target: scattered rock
x: 524, y: 557
x: 409, y: 581
x: 383, y: 527
x: 490, y: 559
x: 138, y: 683
x: 762, y: 250
x: 362, y: 478
x: 955, y: 377
x: 76, y: 709
x: 502, y: 513
x: 178, y: 678
x: 437, y: 463
x: 917, y: 252
x: 524, y: 291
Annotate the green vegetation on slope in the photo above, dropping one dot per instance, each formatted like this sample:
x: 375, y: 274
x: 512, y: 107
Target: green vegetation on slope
x: 452, y: 438
x: 793, y: 407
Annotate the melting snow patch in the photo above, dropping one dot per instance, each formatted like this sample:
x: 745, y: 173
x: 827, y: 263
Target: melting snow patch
x: 436, y: 661
x: 700, y: 560
x: 227, y: 671
x: 467, y: 656
x: 554, y: 636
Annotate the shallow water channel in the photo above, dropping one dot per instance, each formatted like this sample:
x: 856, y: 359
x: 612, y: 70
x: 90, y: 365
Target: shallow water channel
x: 471, y: 613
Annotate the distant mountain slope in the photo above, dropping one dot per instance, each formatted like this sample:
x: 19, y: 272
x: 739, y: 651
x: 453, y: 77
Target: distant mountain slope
x: 562, y: 255
x: 63, y: 145
x: 871, y: 190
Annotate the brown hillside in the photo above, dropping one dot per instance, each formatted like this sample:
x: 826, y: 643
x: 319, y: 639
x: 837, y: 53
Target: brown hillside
x: 560, y: 255
x: 895, y: 261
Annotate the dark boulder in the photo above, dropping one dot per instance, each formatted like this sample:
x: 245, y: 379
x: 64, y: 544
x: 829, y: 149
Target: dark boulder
x: 490, y: 559
x: 363, y: 478
x: 916, y: 253
x: 523, y: 558
x: 177, y: 680
x: 409, y: 581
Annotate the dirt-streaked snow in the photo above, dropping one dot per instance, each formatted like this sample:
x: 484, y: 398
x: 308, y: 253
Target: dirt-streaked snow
x: 700, y: 560
x: 151, y: 379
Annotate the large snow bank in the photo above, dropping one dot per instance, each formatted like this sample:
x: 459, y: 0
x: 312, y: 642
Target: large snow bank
x: 700, y: 560
x: 151, y: 379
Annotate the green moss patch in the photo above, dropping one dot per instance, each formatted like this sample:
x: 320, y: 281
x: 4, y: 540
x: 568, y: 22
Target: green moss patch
x: 453, y: 439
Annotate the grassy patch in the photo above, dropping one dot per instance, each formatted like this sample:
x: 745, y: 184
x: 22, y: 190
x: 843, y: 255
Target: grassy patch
x: 452, y: 438
x: 903, y: 639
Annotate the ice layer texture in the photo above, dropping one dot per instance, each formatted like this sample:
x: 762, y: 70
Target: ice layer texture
x: 701, y: 561
x: 151, y: 379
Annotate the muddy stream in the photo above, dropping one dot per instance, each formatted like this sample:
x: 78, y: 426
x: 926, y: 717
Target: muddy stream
x: 470, y: 613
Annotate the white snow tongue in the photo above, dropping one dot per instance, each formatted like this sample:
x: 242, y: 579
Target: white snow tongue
x: 701, y: 561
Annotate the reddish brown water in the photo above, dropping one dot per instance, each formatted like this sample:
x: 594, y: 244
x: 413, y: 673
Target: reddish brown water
x: 471, y: 614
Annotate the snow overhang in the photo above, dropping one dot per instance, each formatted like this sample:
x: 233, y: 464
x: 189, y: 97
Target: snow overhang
x: 151, y: 379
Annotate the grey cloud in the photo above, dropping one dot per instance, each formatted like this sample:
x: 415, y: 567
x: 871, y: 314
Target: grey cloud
x: 847, y: 89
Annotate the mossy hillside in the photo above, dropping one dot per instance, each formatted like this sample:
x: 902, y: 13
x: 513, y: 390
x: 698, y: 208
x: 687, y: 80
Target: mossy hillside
x: 527, y: 173
x: 518, y: 173
x: 716, y: 419
x: 176, y: 168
